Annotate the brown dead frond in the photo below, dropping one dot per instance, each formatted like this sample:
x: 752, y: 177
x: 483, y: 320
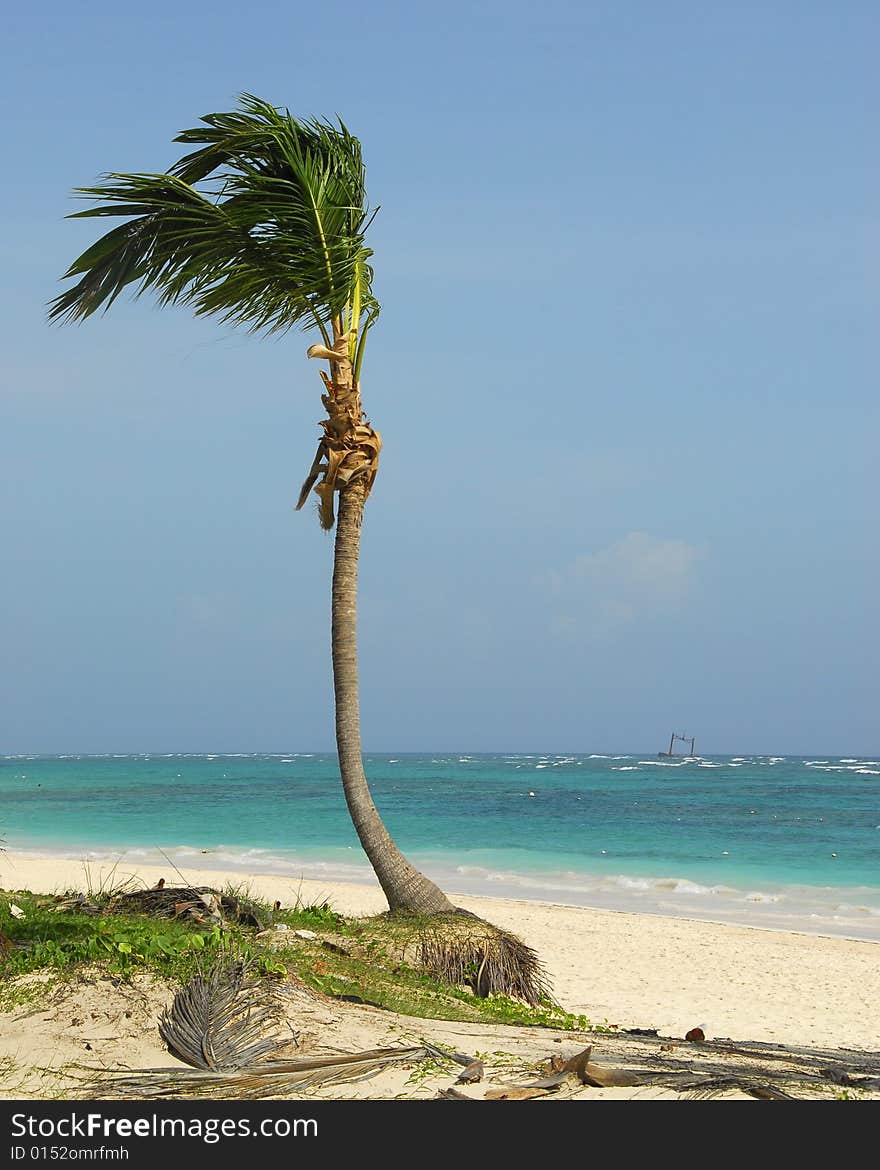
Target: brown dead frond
x: 463, y: 950
x: 272, y: 1079
x: 199, y: 903
x: 223, y: 1020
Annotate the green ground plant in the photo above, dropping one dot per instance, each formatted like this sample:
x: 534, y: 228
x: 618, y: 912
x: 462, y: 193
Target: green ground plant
x: 45, y: 938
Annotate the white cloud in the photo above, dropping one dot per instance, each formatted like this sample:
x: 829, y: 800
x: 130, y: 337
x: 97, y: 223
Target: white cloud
x: 635, y: 578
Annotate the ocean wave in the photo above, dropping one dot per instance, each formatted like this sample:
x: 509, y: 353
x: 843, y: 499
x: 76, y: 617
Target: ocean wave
x: 671, y: 885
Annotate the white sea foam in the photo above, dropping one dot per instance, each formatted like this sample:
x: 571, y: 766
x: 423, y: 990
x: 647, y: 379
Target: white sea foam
x: 684, y: 886
x: 867, y: 771
x: 625, y: 768
x: 628, y: 883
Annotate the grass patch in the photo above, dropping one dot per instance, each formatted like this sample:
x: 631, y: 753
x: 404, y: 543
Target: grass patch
x: 46, y: 938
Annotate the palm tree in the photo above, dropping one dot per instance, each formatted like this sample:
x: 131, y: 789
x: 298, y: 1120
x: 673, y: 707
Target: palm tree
x: 275, y: 239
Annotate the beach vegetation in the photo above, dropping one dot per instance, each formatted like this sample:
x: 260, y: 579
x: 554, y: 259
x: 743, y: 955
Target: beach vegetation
x: 377, y: 961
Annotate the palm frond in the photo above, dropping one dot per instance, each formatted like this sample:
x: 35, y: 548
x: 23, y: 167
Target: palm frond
x: 461, y: 949
x: 254, y: 1082
x: 222, y: 1020
x: 275, y: 239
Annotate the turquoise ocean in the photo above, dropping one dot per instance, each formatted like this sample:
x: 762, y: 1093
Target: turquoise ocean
x: 779, y: 842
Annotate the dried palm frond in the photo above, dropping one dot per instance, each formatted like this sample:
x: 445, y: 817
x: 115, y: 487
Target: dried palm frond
x: 463, y: 949
x: 707, y: 1087
x: 218, y: 1021
x: 201, y: 903
x: 272, y: 1079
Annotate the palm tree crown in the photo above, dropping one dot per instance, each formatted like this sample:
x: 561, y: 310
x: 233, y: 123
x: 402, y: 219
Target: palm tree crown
x: 275, y: 239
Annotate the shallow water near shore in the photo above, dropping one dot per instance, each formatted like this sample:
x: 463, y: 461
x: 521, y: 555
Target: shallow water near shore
x: 780, y: 842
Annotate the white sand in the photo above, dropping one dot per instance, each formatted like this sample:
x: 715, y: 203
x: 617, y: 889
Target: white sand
x: 633, y: 970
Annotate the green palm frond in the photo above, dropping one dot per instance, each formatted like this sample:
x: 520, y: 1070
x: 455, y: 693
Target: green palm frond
x: 275, y: 239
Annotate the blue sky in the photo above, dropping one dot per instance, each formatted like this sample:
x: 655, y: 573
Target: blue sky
x: 625, y: 374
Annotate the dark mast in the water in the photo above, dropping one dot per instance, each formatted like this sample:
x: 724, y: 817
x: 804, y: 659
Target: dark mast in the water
x: 684, y: 739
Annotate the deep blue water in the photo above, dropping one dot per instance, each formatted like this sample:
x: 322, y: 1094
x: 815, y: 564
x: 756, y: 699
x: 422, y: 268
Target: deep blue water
x: 767, y: 840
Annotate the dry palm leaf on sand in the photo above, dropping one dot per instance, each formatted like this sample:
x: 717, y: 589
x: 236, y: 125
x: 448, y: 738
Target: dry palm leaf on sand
x: 223, y: 1020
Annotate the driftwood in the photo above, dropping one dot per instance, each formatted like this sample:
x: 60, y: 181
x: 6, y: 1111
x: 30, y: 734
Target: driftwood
x: 471, y: 1073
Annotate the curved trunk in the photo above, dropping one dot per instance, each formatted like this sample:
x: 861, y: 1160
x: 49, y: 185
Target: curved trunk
x: 404, y: 887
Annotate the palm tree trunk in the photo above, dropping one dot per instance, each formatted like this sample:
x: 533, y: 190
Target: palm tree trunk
x: 405, y: 888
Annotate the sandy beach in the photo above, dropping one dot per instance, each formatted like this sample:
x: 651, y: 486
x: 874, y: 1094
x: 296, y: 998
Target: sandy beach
x: 632, y: 970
